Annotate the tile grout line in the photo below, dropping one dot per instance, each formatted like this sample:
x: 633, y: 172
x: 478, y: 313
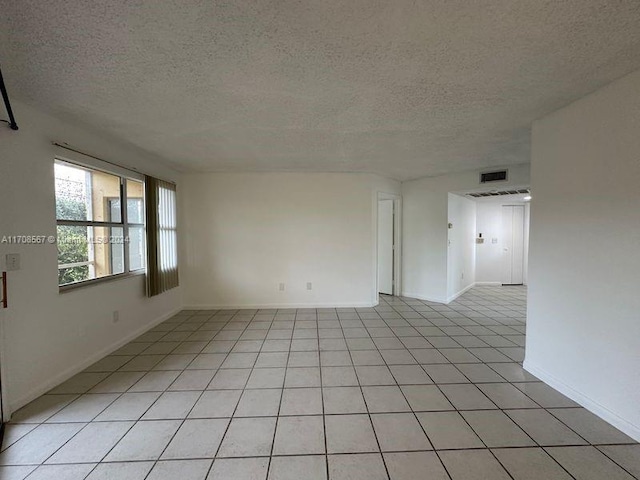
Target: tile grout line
x: 183, y: 420
x: 517, y: 425
x: 155, y: 462
x: 457, y: 411
x: 226, y: 430
x: 87, y: 424
x: 502, y: 319
x: 415, y: 416
x: 375, y: 434
x: 324, y: 412
x: 277, y: 419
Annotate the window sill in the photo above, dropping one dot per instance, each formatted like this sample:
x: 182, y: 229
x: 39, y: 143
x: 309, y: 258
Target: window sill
x: 96, y: 281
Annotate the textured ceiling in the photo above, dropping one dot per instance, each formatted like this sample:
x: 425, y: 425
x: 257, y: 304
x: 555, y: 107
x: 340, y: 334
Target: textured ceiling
x: 403, y: 88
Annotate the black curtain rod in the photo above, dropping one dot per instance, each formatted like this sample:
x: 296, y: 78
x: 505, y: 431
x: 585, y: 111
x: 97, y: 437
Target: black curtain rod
x: 12, y: 121
x: 131, y: 169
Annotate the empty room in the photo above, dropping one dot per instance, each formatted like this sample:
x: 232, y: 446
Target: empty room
x: 330, y: 240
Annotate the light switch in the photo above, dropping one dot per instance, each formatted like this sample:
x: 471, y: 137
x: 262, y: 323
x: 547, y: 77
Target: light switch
x: 13, y: 261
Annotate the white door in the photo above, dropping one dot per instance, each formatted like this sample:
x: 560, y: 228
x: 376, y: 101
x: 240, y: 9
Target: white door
x: 513, y: 244
x: 385, y: 246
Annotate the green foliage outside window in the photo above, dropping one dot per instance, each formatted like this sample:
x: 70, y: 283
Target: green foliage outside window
x: 72, y: 241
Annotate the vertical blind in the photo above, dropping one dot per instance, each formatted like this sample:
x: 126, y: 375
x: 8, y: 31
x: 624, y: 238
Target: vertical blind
x: 162, y: 241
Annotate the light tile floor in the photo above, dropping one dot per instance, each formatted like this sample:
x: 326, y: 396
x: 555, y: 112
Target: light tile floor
x: 407, y: 390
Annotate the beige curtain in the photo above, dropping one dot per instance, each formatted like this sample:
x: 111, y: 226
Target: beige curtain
x: 162, y: 241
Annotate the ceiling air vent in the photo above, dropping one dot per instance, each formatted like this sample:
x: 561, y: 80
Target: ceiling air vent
x: 499, y: 193
x: 497, y: 176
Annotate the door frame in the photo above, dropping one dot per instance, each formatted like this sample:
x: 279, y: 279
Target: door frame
x: 525, y: 235
x: 397, y: 242
x: 4, y: 404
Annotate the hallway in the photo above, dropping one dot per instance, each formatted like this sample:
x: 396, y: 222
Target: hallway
x: 409, y: 389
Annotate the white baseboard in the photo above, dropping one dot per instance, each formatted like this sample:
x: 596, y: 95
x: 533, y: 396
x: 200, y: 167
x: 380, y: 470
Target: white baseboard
x: 461, y: 292
x: 594, y: 407
x: 453, y: 297
x: 198, y: 306
x: 438, y: 300
x: 70, y: 372
x: 422, y: 297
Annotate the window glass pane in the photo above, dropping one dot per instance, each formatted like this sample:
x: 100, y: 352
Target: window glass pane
x: 135, y: 215
x: 114, y: 212
x: 135, y: 201
x: 85, y: 253
x: 72, y: 200
x: 85, y: 194
x: 136, y: 248
x: 73, y: 255
x: 167, y: 236
x: 116, y: 249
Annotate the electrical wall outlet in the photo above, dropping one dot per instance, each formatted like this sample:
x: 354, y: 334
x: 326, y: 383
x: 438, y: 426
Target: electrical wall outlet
x: 281, y: 287
x: 116, y: 316
x: 309, y: 286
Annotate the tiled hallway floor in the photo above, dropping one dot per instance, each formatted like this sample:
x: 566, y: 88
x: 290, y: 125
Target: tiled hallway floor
x: 407, y: 390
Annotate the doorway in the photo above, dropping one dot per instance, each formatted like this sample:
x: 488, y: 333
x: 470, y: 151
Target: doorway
x: 513, y: 235
x: 385, y: 247
x: 388, y: 242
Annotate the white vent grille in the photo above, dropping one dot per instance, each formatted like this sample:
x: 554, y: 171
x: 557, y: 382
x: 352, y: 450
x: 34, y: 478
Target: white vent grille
x: 498, y: 193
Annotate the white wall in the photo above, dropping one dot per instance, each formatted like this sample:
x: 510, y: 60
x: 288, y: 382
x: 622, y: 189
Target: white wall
x: 49, y: 336
x: 461, y: 259
x: 488, y: 254
x: 244, y: 234
x: 583, y: 330
x: 425, y: 218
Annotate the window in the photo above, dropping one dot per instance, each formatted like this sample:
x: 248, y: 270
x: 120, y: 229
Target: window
x: 97, y: 236
x: 162, y: 273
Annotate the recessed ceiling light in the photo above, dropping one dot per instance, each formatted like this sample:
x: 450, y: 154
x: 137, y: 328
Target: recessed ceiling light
x: 527, y: 198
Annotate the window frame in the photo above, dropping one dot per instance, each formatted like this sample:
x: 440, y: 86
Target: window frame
x: 82, y: 161
x: 126, y: 261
